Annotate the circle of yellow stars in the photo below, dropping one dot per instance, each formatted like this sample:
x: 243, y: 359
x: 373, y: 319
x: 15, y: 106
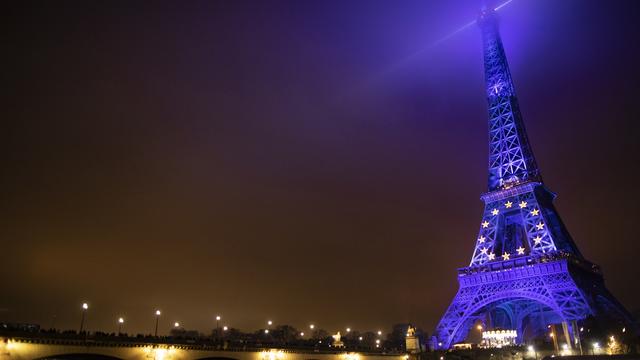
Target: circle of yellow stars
x: 520, y: 250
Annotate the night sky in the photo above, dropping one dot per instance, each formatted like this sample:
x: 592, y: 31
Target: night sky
x: 299, y: 161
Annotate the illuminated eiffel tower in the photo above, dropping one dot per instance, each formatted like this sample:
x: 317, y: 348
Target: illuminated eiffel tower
x: 526, y: 272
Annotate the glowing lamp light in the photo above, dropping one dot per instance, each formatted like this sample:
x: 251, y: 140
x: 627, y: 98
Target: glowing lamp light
x: 530, y: 348
x: 301, y: 333
x: 11, y: 345
x: 157, y: 312
x: 273, y: 355
x: 121, y: 321
x: 360, y: 338
x: 85, y: 306
x: 266, y: 331
x: 479, y: 327
x: 596, y: 345
x: 225, y: 328
x: 218, y: 317
x: 377, y: 341
x: 160, y: 354
x: 176, y: 324
x: 311, y: 326
x: 269, y: 322
x: 379, y: 332
x: 348, y: 329
x: 351, y: 356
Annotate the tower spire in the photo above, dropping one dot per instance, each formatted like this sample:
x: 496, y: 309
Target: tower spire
x: 511, y: 160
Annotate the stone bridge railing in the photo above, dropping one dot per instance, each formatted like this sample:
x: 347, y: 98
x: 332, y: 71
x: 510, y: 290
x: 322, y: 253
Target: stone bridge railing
x: 17, y: 348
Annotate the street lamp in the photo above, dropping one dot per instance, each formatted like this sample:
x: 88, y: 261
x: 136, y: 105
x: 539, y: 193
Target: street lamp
x: 348, y: 329
x: 120, y: 322
x: 269, y: 322
x: 85, y: 306
x: 379, y: 332
x: 301, y: 334
x: 218, y: 317
x: 176, y: 324
x: 311, y: 326
x: 225, y: 328
x: 157, y: 318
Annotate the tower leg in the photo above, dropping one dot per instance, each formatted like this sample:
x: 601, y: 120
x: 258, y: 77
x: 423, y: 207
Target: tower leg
x: 565, y: 330
x: 576, y: 335
x: 555, y: 338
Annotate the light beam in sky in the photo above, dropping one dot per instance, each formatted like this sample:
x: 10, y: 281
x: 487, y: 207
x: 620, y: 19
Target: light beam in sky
x: 464, y: 27
x: 408, y: 59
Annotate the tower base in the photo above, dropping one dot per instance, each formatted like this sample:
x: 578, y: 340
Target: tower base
x: 527, y: 294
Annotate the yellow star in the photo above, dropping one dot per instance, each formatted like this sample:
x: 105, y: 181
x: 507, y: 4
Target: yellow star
x: 505, y: 256
x: 508, y: 204
x: 495, y: 212
x: 523, y: 204
x: 491, y: 256
x: 485, y: 224
x: 484, y: 250
x: 535, y: 212
x: 540, y: 225
x: 520, y: 250
x: 481, y: 239
x: 537, y: 239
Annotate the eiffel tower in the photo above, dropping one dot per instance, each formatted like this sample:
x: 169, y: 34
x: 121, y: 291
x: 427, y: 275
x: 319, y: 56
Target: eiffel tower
x: 526, y: 273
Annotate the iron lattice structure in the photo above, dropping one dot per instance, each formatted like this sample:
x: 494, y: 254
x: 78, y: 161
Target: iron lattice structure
x: 526, y: 271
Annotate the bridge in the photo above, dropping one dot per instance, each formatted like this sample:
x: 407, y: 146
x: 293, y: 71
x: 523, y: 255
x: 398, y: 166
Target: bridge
x: 18, y: 348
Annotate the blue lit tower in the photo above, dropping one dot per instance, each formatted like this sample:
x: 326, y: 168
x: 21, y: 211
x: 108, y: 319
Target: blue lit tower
x: 526, y: 272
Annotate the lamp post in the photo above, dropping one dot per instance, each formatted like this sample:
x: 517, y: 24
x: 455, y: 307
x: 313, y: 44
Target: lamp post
x: 120, y: 322
x: 85, y: 306
x: 157, y: 318
x: 218, y: 317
